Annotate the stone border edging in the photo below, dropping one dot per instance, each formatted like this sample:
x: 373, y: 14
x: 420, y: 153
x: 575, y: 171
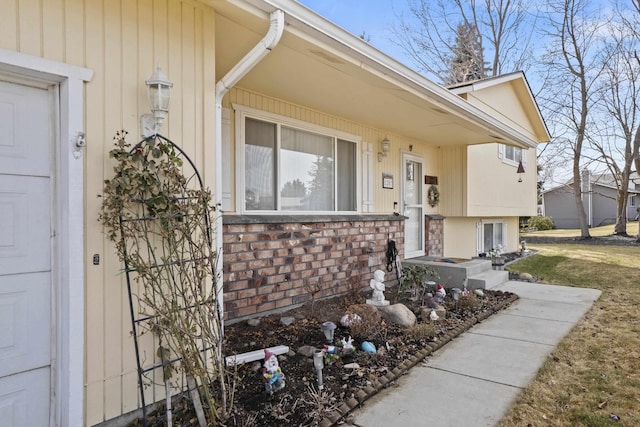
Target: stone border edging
x: 363, y: 394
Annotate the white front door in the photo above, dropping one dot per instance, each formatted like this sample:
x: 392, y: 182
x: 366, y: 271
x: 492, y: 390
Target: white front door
x: 25, y: 255
x: 413, y: 209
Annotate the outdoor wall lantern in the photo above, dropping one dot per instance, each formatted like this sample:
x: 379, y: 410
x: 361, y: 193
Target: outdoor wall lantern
x: 520, y: 171
x: 386, y: 147
x: 318, y: 363
x: 327, y: 329
x: 159, y: 95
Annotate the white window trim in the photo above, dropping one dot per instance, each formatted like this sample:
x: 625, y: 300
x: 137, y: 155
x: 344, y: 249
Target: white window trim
x: 67, y: 388
x: 242, y: 112
x: 503, y: 157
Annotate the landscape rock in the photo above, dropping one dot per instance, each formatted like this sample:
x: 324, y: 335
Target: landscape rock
x: 253, y: 322
x: 398, y: 314
x: 306, y: 350
x: 525, y: 277
x: 256, y: 366
x: 351, y: 366
x: 425, y: 312
x: 287, y: 320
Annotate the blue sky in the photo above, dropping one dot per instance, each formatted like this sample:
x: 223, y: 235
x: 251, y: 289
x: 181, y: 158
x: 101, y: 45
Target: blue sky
x: 374, y: 17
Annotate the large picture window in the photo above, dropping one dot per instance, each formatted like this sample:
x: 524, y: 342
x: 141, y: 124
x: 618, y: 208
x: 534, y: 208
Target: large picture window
x: 296, y: 170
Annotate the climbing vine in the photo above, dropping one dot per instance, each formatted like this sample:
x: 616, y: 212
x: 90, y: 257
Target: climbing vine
x: 159, y: 220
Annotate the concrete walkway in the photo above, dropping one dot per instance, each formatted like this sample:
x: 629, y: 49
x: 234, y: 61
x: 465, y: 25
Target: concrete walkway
x: 474, y: 379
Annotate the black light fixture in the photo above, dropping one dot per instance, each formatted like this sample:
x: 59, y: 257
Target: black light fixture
x: 520, y: 171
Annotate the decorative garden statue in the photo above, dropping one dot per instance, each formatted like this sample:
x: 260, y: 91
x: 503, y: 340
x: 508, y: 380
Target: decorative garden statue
x: 273, y: 376
x: 440, y: 294
x: 377, y: 284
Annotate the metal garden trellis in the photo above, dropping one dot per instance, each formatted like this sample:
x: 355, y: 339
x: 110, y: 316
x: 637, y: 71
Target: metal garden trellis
x: 149, y: 216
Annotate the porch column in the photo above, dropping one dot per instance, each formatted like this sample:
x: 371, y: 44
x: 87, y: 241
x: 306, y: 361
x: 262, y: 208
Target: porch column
x: 434, y: 235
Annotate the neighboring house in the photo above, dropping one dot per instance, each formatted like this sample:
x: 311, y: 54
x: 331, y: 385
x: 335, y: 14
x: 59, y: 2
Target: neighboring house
x: 599, y: 198
x: 306, y: 110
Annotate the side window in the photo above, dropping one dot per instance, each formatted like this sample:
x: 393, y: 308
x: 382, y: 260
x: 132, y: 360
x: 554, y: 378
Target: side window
x: 511, y: 155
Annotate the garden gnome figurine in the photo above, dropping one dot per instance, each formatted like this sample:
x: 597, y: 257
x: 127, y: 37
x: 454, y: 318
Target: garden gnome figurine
x: 273, y: 376
x: 440, y: 294
x: 377, y: 284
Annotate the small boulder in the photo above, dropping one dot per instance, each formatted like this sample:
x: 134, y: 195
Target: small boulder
x: 306, y: 350
x: 288, y: 320
x: 398, y: 314
x: 425, y: 312
x: 253, y: 322
x: 525, y: 277
x: 351, y: 366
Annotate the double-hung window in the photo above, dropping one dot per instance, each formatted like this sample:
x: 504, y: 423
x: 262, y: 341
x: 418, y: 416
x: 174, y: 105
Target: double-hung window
x: 291, y: 169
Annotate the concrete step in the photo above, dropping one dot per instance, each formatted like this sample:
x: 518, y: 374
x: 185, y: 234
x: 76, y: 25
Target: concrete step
x: 487, y: 279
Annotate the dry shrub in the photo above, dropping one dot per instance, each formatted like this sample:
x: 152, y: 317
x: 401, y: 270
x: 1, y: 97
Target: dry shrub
x: 369, y: 325
x: 469, y: 302
x: 421, y: 331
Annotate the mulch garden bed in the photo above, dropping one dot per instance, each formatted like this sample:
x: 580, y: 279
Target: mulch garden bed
x: 348, y: 381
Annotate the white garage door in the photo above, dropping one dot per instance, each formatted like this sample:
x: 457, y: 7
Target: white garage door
x: 25, y: 255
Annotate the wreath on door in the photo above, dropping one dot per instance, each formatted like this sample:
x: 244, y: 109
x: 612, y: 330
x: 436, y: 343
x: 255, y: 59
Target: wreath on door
x: 433, y: 196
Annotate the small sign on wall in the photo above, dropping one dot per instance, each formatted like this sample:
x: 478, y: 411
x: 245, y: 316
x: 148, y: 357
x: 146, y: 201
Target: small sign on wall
x: 387, y: 180
x: 430, y: 180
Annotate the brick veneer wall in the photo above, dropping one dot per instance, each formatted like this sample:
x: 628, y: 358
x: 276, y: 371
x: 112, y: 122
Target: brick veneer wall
x: 434, y: 235
x: 271, y: 261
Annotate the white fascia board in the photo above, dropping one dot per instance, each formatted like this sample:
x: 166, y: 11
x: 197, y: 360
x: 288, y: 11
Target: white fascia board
x: 356, y: 50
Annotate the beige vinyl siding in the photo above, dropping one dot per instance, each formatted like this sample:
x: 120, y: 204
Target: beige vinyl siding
x: 383, y: 198
x: 121, y: 41
x: 493, y: 186
x: 452, y: 182
x: 502, y: 102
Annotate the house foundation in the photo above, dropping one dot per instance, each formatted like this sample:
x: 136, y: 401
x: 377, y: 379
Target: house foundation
x: 274, y: 263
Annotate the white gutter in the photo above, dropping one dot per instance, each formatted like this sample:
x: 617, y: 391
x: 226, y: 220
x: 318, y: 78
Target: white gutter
x: 246, y: 64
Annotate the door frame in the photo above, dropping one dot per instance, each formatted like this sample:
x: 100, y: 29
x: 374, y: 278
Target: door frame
x: 66, y: 83
x: 405, y: 155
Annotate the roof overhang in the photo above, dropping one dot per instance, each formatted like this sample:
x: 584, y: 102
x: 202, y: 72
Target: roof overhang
x: 325, y: 68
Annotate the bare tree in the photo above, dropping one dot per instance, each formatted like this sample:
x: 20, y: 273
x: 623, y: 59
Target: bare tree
x: 632, y: 22
x: 617, y: 147
x: 505, y: 31
x: 574, y: 67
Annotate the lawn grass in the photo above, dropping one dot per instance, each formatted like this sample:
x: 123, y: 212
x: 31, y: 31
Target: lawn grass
x: 595, y: 371
x: 605, y: 230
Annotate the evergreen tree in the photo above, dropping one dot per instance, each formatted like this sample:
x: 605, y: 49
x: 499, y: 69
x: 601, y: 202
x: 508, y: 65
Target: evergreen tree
x: 467, y: 59
x: 295, y: 188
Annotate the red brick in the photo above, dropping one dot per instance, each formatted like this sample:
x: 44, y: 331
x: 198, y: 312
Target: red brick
x: 246, y: 293
x: 238, y: 266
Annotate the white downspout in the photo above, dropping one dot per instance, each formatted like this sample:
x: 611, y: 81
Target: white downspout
x: 250, y: 60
